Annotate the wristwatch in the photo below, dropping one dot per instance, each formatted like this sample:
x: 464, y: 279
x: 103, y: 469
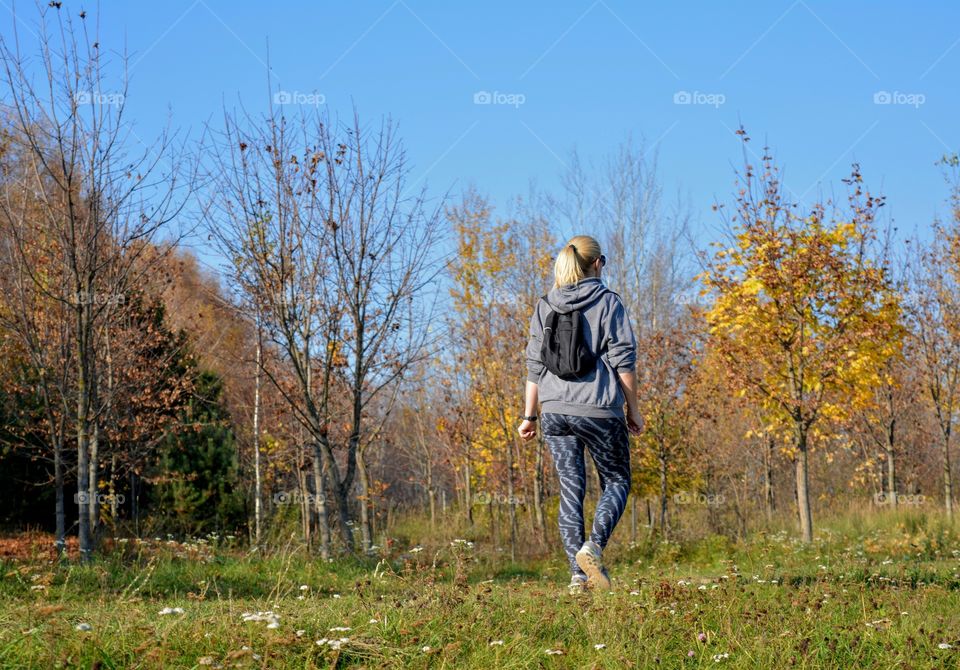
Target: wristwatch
x: 529, y: 418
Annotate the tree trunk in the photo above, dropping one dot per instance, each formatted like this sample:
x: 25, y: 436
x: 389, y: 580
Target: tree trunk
x: 468, y: 493
x: 341, y: 495
x: 891, y: 465
x: 320, y: 501
x: 93, y: 484
x: 366, y: 530
x: 512, y: 502
x: 60, y: 539
x: 257, y: 482
x: 664, y: 519
x: 768, y: 502
x: 431, y: 494
x: 305, y: 499
x: 947, y: 476
x: 803, y: 491
x: 134, y: 504
x: 83, y: 441
x: 493, y: 524
x: 114, y: 505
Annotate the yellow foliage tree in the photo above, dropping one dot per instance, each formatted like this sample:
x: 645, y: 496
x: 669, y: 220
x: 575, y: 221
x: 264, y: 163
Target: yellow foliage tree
x: 802, y: 315
x: 501, y: 267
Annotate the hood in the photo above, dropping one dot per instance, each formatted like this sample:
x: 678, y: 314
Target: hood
x: 577, y: 296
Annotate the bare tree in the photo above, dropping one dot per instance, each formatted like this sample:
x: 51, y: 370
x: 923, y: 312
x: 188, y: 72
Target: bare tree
x: 324, y: 240
x: 100, y: 202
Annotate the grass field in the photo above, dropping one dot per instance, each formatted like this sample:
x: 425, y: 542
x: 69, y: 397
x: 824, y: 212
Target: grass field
x: 871, y: 592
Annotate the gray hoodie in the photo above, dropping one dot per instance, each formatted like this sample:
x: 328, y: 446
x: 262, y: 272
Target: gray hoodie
x: 607, y: 330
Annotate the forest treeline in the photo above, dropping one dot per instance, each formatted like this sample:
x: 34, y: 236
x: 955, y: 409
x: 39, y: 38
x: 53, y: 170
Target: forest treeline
x: 355, y: 351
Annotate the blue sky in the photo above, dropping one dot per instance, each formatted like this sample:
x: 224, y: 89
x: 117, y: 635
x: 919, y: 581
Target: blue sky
x: 804, y: 75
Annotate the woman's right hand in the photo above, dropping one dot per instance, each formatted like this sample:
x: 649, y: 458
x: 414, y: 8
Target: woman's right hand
x: 528, y: 430
x: 634, y: 422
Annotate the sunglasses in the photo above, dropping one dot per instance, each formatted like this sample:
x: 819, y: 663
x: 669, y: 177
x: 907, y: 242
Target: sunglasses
x: 603, y: 260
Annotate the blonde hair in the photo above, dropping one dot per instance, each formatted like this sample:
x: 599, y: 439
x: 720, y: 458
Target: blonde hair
x: 574, y: 260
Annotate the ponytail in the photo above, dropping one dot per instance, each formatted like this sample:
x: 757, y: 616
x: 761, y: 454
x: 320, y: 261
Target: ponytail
x: 574, y: 260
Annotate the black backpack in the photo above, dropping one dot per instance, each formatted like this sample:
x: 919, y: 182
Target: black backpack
x: 564, y: 350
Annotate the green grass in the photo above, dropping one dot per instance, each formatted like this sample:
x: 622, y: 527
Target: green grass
x: 871, y: 592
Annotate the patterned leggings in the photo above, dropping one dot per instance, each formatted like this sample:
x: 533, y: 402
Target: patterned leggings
x: 609, y: 446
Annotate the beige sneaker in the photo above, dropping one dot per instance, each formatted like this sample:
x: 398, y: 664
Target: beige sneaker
x: 590, y: 560
x: 577, y: 585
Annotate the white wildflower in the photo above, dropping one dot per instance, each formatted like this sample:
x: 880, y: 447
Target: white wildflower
x: 170, y: 610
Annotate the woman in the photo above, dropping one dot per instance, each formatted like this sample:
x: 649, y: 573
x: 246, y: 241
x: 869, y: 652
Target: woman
x: 586, y: 410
